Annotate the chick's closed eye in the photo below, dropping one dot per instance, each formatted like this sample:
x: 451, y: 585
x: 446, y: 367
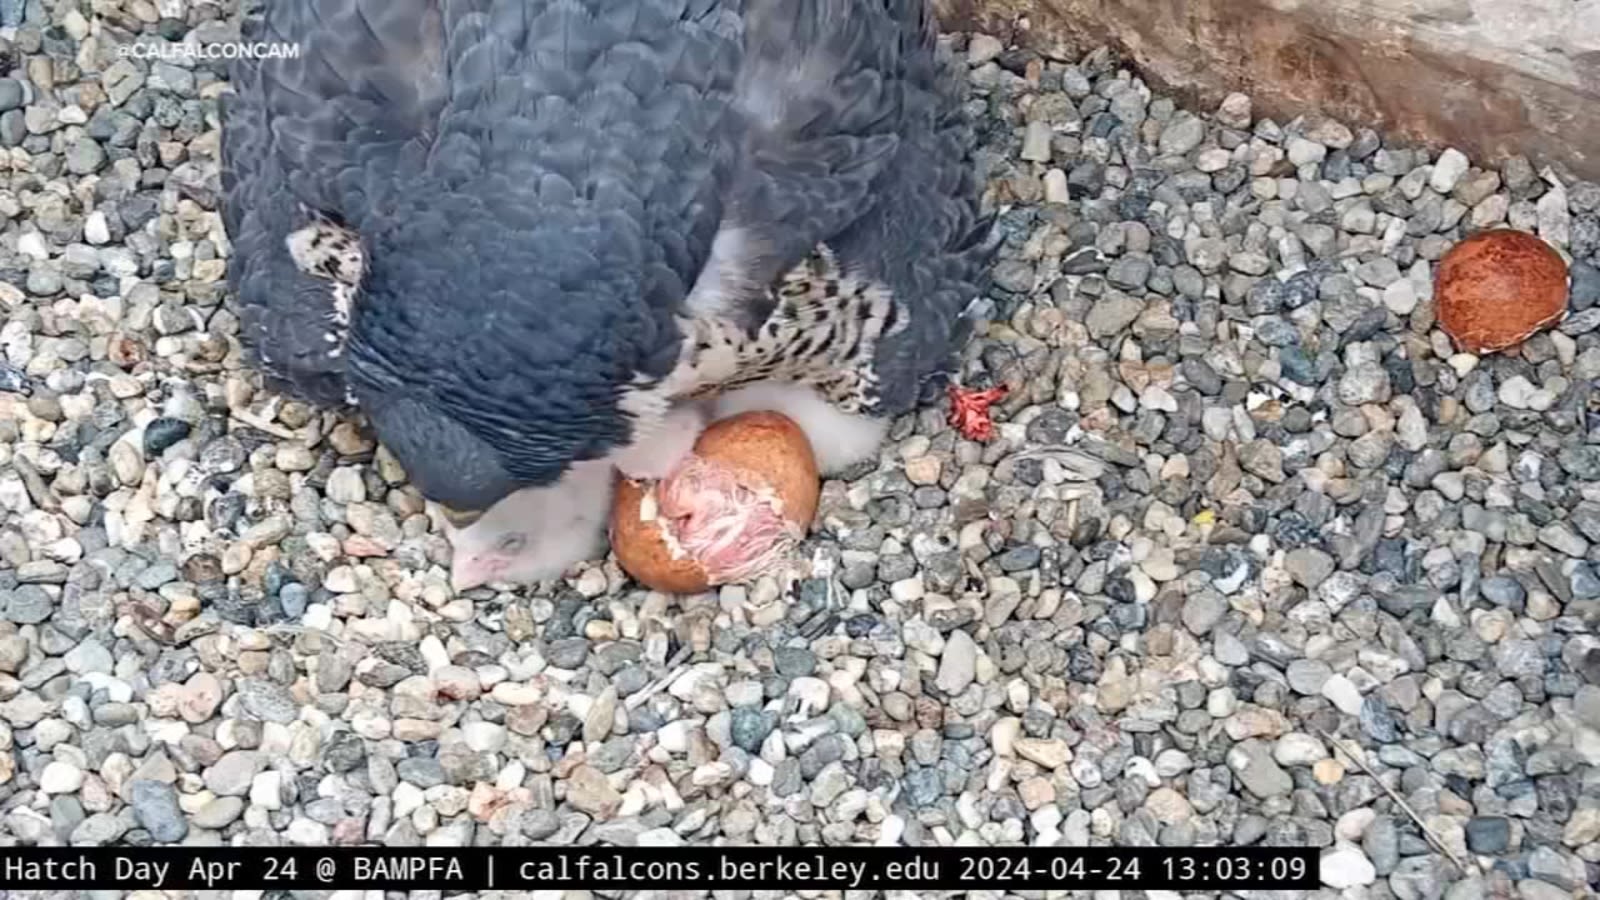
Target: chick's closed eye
x: 538, y: 533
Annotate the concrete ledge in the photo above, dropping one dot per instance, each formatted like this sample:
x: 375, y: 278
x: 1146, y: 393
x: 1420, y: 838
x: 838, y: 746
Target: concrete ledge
x: 1491, y: 77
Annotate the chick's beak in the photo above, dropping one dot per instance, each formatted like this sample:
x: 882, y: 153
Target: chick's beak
x: 469, y: 571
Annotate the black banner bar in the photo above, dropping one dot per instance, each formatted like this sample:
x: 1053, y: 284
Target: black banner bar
x: 702, y: 868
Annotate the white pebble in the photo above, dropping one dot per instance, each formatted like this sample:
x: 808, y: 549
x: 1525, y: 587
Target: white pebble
x: 307, y: 833
x: 1447, y: 171
x: 265, y: 790
x: 1055, y: 187
x: 484, y: 737
x: 433, y: 653
x: 95, y: 229
x: 1298, y: 749
x: 31, y: 244
x: 812, y: 693
x: 1305, y: 152
x: 592, y: 583
x: 408, y: 798
x: 1346, y: 866
x: 60, y: 778
x: 1342, y: 693
x: 346, y: 486
x: 1516, y: 392
x: 908, y: 590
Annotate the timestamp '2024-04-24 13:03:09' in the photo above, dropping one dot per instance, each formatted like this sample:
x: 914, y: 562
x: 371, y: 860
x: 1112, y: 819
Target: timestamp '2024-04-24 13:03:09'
x: 799, y: 868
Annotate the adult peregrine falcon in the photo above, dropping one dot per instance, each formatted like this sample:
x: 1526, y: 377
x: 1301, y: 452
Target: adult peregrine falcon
x: 539, y: 240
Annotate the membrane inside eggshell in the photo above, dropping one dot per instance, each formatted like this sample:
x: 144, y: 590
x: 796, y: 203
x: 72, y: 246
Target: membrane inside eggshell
x: 734, y: 529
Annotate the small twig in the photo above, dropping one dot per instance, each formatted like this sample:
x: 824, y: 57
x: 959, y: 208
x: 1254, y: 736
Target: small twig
x: 246, y: 418
x: 1394, y: 795
x: 297, y: 629
x: 676, y: 666
x: 148, y: 622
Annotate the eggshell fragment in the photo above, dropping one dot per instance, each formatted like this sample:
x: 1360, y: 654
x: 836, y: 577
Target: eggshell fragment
x: 1497, y: 288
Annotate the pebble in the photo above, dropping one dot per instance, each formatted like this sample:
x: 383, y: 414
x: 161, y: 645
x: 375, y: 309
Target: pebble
x: 232, y: 774
x: 1304, y: 152
x: 1255, y: 768
x: 1308, y: 676
x: 1448, y: 169
x: 1048, y: 754
x: 589, y: 791
x: 1488, y: 835
x: 1343, y: 694
x: 958, y: 663
x: 60, y: 778
x: 1296, y: 749
x: 1309, y: 566
x: 1345, y: 867
x: 155, y: 808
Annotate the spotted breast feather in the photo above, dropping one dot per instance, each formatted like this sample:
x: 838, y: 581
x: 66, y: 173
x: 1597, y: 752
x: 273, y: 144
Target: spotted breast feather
x: 822, y: 330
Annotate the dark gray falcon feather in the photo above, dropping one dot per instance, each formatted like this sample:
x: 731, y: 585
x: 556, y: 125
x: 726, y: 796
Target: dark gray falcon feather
x: 515, y: 232
x: 870, y: 289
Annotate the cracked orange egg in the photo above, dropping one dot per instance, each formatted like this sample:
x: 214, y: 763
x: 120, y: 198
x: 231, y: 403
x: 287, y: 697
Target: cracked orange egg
x: 735, y: 510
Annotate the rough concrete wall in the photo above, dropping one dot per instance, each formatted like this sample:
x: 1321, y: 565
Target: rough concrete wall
x: 1492, y: 77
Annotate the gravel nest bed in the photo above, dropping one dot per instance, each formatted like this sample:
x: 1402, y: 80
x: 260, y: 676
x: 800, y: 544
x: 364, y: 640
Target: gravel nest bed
x: 1254, y: 555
